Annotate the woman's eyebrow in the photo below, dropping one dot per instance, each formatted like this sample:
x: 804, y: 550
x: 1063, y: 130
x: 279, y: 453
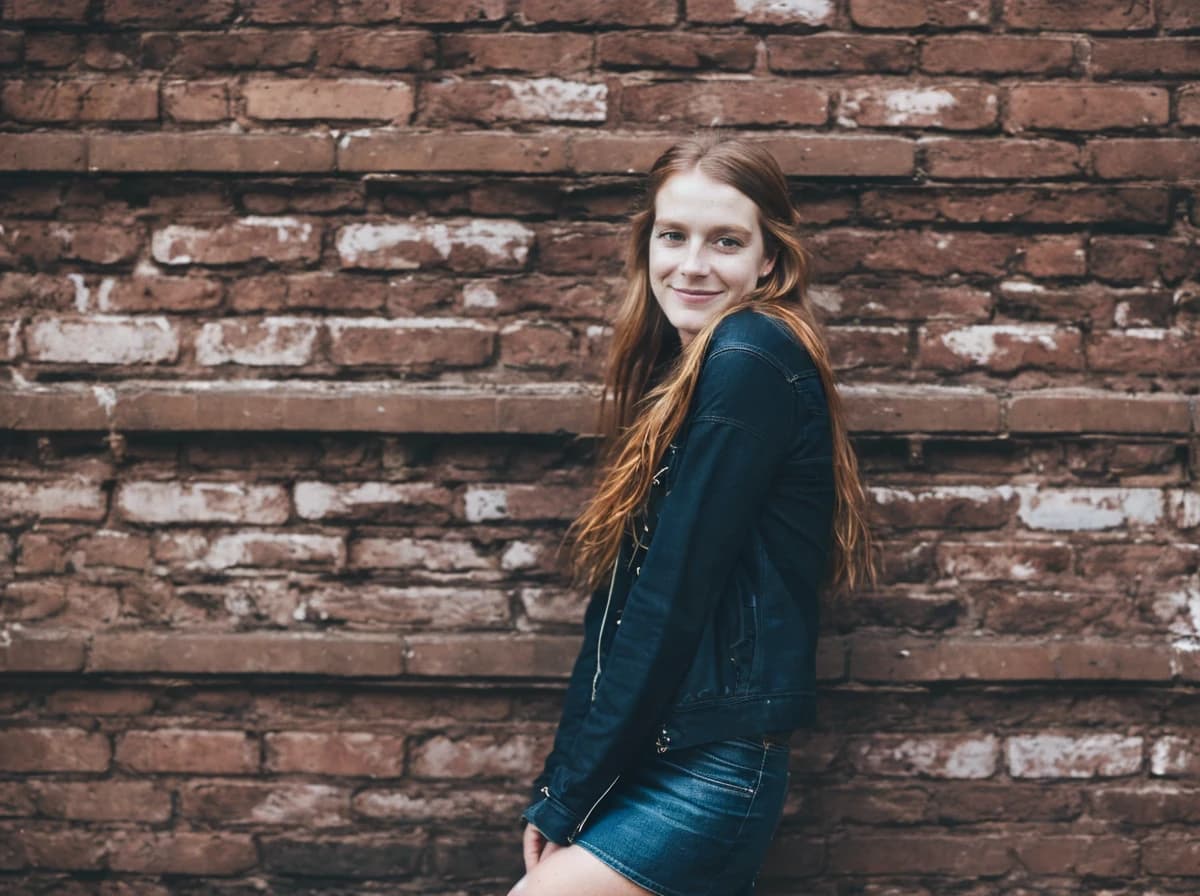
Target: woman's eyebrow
x: 729, y: 228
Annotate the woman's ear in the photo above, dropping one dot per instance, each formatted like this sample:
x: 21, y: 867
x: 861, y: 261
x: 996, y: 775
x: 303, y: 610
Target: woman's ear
x: 768, y: 265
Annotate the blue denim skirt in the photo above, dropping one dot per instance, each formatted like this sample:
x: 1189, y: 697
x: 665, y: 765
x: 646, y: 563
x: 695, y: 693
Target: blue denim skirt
x: 693, y: 821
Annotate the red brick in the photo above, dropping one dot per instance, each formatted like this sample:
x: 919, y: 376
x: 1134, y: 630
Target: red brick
x: 536, y: 346
x: 1082, y: 107
x: 343, y: 753
x: 921, y: 409
x: 1001, y: 561
x: 949, y: 106
x: 472, y: 656
x: 840, y: 251
x: 1000, y: 159
x: 372, y: 501
x: 1000, y: 349
x: 46, y: 50
x: 223, y: 653
x: 522, y: 502
x: 583, y: 12
x: 291, y: 550
x: 1178, y: 15
x: 410, y: 343
x: 439, y: 11
x: 1174, y: 756
x: 193, y: 101
x: 1149, y: 159
x: 1097, y: 15
x: 239, y: 241
x: 34, y: 651
x: 273, y: 803
x: 916, y: 13
x: 57, y: 749
x: 494, y: 153
x: 961, y: 856
x: 1171, y: 854
x: 102, y: 340
x: 423, y: 803
x: 481, y: 756
x: 763, y: 12
x: 317, y: 291
x: 1188, y: 111
x: 948, y: 507
x: 1083, y: 854
x: 178, y: 502
x: 1095, y: 411
x: 675, y: 50
x: 554, y: 53
x: 45, y: 243
x: 1146, y: 804
x: 968, y: 54
x: 1053, y: 256
x: 1138, y: 205
x: 223, y: 153
x: 717, y: 103
x: 103, y: 800
x: 1141, y: 350
x: 57, y: 847
x: 1155, y: 56
x: 187, y: 750
x: 377, y: 49
x: 193, y: 52
x: 868, y: 346
x: 183, y: 853
x: 47, y: 10
x: 389, y: 855
x: 466, y: 246
x: 80, y: 100
x: 1140, y: 260
x: 319, y: 99
x: 148, y: 293
x: 840, y: 53
x: 1065, y: 756
x: 169, y: 13
x: 512, y: 99
x: 425, y: 608
x: 64, y: 499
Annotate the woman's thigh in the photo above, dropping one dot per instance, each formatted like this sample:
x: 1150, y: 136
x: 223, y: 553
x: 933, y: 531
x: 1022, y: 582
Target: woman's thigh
x: 573, y: 871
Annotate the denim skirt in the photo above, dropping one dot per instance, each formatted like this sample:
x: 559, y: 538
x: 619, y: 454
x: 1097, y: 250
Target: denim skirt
x: 692, y: 821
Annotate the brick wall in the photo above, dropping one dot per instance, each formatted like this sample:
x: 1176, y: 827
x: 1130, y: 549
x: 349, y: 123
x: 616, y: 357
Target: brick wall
x: 303, y: 305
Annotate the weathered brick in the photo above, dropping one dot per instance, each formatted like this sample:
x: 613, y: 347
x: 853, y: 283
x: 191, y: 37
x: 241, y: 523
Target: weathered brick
x: 1146, y: 804
x: 717, y: 103
x: 466, y: 246
x: 921, y: 409
x: 1012, y: 205
x: 345, y: 753
x: 379, y: 501
x: 1171, y: 854
x: 44, y: 244
x: 376, y: 48
x: 172, y: 13
x: 410, y: 343
x: 949, y: 506
x: 1016, y: 562
x: 763, y: 12
x: 102, y: 340
x: 1083, y: 509
x: 187, y: 750
x: 322, y: 290
x: 152, y: 293
x: 34, y: 651
x: 1000, y: 159
x: 47, y: 10
x: 1095, y: 15
x: 223, y: 153
x: 509, y: 99
x: 1082, y: 854
x: 1178, y: 15
x: 583, y: 12
x: 194, y: 52
x: 840, y: 53
x: 382, y: 150
x: 1140, y: 349
x: 429, y: 608
x: 1175, y: 756
x: 936, y: 756
x: 1085, y: 107
x: 927, y: 854
x: 1000, y: 348
x: 103, y: 800
x: 1067, y: 756
x: 193, y: 101
x: 42, y: 152
x: 674, y: 50
x: 521, y: 502
x: 428, y: 554
x: 553, y: 53
x: 266, y: 342
x: 1140, y: 260
x: 53, y: 500
x: 915, y: 13
x: 320, y: 99
x: 80, y: 100
x: 274, y: 803
x: 1158, y: 159
x: 389, y: 855
x: 482, y: 756
x: 950, y: 106
x: 288, y: 550
x: 968, y: 54
x: 184, y: 853
x: 481, y: 655
x: 57, y: 749
x: 1159, y: 56
x: 535, y: 346
x: 271, y: 238
x: 201, y: 502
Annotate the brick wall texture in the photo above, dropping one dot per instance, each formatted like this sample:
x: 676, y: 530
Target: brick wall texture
x: 303, y: 306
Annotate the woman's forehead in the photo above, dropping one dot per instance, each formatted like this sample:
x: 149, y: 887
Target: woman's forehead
x: 694, y: 196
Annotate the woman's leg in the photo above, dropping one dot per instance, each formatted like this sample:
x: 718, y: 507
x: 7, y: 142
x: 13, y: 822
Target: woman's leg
x: 573, y: 871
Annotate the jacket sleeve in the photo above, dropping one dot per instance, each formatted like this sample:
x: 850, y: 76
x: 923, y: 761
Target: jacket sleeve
x: 741, y: 422
x: 579, y: 691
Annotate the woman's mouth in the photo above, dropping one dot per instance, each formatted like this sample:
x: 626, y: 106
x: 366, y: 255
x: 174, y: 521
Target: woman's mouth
x: 695, y: 295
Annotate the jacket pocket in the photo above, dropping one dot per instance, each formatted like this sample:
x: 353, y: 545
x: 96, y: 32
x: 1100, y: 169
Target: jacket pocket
x: 741, y: 649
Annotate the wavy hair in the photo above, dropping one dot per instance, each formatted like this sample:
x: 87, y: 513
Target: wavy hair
x: 650, y: 377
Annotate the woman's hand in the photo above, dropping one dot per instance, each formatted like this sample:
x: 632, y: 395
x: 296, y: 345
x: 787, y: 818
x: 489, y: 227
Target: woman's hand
x: 537, y: 847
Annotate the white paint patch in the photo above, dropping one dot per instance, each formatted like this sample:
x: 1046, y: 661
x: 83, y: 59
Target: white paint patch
x: 286, y: 229
x: 978, y: 493
x: 479, y: 295
x: 483, y: 504
x: 81, y: 292
x: 281, y: 341
x: 1022, y: 571
x: 106, y: 397
x: 239, y: 549
x: 338, y: 325
x: 827, y: 299
x: 520, y: 555
x: 1184, y: 507
x: 1089, y: 509
x: 1022, y: 287
x: 104, y: 294
x: 979, y: 343
x: 916, y: 106
x: 809, y: 12
x: 175, y: 243
x: 104, y: 340
x: 554, y: 99
x: 398, y: 246
x: 315, y: 500
x: 13, y: 345
x: 1170, y: 755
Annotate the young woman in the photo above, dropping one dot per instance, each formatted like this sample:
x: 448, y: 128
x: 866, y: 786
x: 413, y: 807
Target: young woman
x: 730, y: 497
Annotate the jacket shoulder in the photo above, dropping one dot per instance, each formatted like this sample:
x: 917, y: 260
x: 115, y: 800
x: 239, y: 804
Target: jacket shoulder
x: 762, y: 334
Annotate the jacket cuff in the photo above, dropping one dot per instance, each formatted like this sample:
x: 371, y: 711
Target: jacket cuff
x: 553, y: 819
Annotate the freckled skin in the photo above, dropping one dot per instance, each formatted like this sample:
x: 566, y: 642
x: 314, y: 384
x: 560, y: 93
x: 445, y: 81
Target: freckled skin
x: 706, y: 250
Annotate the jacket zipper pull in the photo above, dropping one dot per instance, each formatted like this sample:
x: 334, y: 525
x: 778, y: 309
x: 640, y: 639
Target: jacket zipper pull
x: 664, y: 741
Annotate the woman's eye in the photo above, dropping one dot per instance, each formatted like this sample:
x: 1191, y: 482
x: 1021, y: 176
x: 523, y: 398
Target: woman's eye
x: 672, y: 236
x: 728, y: 242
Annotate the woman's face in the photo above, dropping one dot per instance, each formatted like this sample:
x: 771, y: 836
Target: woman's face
x: 706, y: 250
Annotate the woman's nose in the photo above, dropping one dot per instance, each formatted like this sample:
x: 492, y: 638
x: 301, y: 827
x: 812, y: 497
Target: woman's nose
x: 695, y: 262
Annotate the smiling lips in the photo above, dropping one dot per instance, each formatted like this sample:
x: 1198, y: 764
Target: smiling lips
x: 695, y: 295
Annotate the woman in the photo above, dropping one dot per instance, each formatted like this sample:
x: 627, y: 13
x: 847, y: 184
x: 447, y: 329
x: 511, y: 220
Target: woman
x: 730, y: 496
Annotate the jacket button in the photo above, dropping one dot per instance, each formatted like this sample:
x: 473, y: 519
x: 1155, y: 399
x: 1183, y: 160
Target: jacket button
x: 638, y: 571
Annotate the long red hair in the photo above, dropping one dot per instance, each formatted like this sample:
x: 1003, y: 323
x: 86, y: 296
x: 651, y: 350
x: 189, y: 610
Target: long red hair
x: 650, y: 378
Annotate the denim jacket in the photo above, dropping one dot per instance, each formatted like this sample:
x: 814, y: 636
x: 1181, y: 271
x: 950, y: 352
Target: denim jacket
x: 707, y: 626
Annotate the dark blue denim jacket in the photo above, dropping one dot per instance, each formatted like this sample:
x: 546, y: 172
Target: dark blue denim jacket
x: 707, y: 627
